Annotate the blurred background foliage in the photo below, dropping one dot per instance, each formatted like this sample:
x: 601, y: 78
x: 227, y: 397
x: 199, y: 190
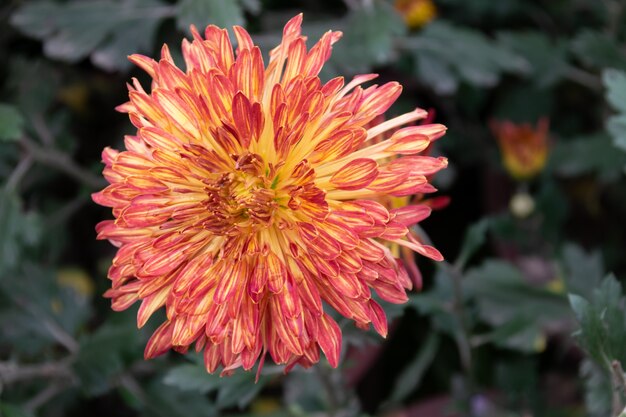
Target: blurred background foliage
x: 525, y: 318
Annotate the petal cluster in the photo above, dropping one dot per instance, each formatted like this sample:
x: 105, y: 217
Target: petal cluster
x: 248, y: 202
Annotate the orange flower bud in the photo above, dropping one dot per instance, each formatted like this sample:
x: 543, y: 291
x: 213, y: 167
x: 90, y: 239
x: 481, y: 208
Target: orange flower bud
x: 524, y: 148
x: 416, y: 13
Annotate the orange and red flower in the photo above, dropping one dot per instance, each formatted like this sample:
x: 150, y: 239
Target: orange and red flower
x: 524, y: 148
x: 248, y: 199
x: 403, y: 253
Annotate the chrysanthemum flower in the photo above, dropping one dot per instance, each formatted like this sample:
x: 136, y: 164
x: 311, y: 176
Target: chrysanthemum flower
x: 403, y: 253
x: 524, y: 148
x: 247, y: 202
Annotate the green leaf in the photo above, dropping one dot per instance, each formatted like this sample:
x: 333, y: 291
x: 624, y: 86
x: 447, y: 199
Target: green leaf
x: 19, y: 231
x: 616, y: 126
x: 582, y: 271
x: 368, y: 37
x: 11, y: 123
x: 615, y: 83
x: 521, y: 334
x: 309, y: 392
x: 469, y: 54
x: 167, y: 401
x: 547, y: 59
x: 191, y: 377
x: 553, y: 205
x: 436, y: 72
x: 411, y: 376
x: 437, y: 303
x: 37, y: 19
x: 521, y: 102
x: 33, y: 83
x: 598, y: 50
x: 502, y: 294
x: 74, y: 30
x: 128, y: 38
x: 518, y: 380
x: 101, y: 356
x: 475, y: 237
x: 251, y: 6
x: 597, y: 384
x: 579, y: 305
x: 236, y: 390
x: 204, y: 12
x: 10, y: 410
x: 483, y: 10
x: 518, y: 311
x: 593, y: 154
x: 239, y: 390
x: 602, y: 320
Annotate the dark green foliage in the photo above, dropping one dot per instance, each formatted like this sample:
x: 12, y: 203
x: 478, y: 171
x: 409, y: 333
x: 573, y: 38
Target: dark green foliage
x: 197, y: 12
x: 106, y: 30
x: 521, y: 319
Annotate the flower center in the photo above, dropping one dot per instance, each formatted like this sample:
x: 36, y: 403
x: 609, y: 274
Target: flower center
x: 240, y: 201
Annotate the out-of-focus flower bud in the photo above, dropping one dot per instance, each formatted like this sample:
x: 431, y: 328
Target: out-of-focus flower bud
x: 522, y: 205
x: 524, y: 148
x: 416, y: 13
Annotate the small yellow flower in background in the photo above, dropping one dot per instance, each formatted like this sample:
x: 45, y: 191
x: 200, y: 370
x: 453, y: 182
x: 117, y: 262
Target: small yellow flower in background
x: 75, y: 96
x: 557, y: 285
x: 416, y: 13
x: 265, y: 406
x: 76, y: 279
x: 247, y: 204
x: 524, y: 148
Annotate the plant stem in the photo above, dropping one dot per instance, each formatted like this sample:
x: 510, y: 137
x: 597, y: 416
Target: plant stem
x: 458, y: 308
x: 41, y: 128
x: 44, y: 396
x: 584, y: 78
x: 56, y: 331
x: 331, y: 390
x: 618, y: 381
x: 62, y: 162
x: 12, y: 372
x: 18, y: 173
x: 65, y: 212
x: 465, y: 348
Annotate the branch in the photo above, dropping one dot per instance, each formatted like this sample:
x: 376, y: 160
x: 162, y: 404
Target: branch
x: 62, y: 162
x: 40, y: 126
x: 619, y: 387
x: 584, y: 78
x: 332, y: 392
x: 11, y: 372
x: 58, y: 333
x: 61, y: 336
x: 465, y: 348
x: 65, y: 212
x: 44, y: 396
x: 18, y: 173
